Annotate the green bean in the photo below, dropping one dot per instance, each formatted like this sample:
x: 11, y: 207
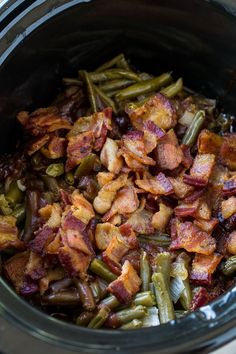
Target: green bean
x: 71, y: 82
x: 122, y: 63
x: 113, y: 62
x: 100, y: 268
x: 173, y: 89
x: 32, y: 206
x: 163, y: 299
x: 112, y: 93
x: 63, y: 298
x: 4, y: 205
x: 159, y: 239
x: 145, y: 76
x: 145, y: 271
x: 84, y: 318
x: 69, y: 178
x: 60, y: 285
x: 88, y: 164
x: 132, y: 325
x: 230, y: 266
x: 14, y: 195
x: 90, y: 89
x: 85, y: 295
x: 52, y: 184
x: 163, y: 262
x: 96, y: 291
x: 144, y: 298
x: 55, y: 170
x: 115, y: 85
x: 193, y: 130
x: 106, y: 100
x: 36, y: 159
x: 144, y: 87
x: 111, y: 301
x: 124, y: 316
x: 113, y: 74
x: 19, y: 212
x: 100, y: 318
x: 186, y: 295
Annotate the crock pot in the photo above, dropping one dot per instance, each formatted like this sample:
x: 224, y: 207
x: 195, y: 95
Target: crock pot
x: 40, y: 42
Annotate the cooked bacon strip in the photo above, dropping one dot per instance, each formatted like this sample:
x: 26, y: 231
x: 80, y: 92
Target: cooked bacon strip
x: 229, y: 187
x: 186, y: 209
x: 54, y: 246
x: 228, y: 152
x: 203, y: 210
x: 37, y: 144
x: 231, y: 243
x: 56, y: 148
x: 161, y: 218
x: 200, y: 298
x: 109, y: 156
x: 102, y: 203
x: 181, y: 189
x: 187, y: 159
x: 126, y: 202
x: 104, y: 233
x: 104, y: 178
x: 81, y: 207
x: 228, y: 207
x: 51, y: 213
x: 201, y: 170
x: 190, y: 237
x: 9, y: 233
x: 131, y: 162
x: 14, y: 269
x: 203, y: 267
x: 209, y: 143
x: 133, y: 144
x: 157, y: 109
x: 75, y: 262
x: 35, y: 267
x: 197, y: 193
x: 206, y: 225
x: 168, y: 152
x: 126, y: 285
x: 141, y: 221
x: 43, y: 237
x: 158, y: 185
x: 152, y: 133
x: 116, y: 249
x: 79, y: 146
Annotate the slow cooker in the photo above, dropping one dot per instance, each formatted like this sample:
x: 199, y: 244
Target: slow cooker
x: 40, y: 42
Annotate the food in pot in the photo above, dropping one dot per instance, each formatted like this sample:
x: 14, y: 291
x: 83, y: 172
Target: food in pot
x: 118, y: 208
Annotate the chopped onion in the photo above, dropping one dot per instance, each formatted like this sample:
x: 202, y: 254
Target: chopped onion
x: 176, y: 289
x: 151, y: 319
x: 186, y: 118
x: 21, y: 186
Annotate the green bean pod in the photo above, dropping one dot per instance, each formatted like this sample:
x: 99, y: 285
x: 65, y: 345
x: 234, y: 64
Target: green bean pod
x: 230, y: 266
x: 113, y: 74
x: 100, y: 318
x: 85, y: 294
x: 173, y: 89
x: 90, y: 89
x: 100, y: 268
x: 145, y: 271
x: 132, y: 325
x: 193, y: 130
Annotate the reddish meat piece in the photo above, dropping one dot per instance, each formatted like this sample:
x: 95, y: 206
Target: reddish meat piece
x: 158, y: 185
x: 209, y: 143
x: 75, y: 262
x: 203, y: 267
x: 9, y: 233
x: 200, y: 298
x: 79, y: 146
x: 168, y: 152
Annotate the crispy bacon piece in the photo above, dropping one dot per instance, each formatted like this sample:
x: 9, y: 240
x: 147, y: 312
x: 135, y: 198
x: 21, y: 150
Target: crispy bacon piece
x: 53, y: 247
x: 200, y: 298
x: 203, y: 267
x: 197, y: 193
x: 51, y: 275
x: 102, y: 203
x: 231, y: 243
x: 109, y: 156
x: 168, y: 152
x: 104, y: 178
x: 116, y: 249
x: 229, y: 187
x: 45, y: 120
x: 161, y: 218
x: 152, y: 133
x: 14, y: 269
x: 51, y: 213
x: 203, y: 210
x: 187, y: 209
x: 23, y: 117
x: 79, y: 146
x: 141, y: 221
x: 190, y: 237
x: 9, y: 233
x: 187, y: 159
x: 126, y: 285
x: 43, y: 237
x: 37, y: 144
x: 131, y: 162
x: 201, y: 170
x: 158, y: 185
x: 181, y: 189
x: 157, y: 109
x: 56, y: 148
x: 228, y: 207
x: 104, y: 233
x: 228, y: 152
x: 209, y: 143
x: 133, y: 144
x: 74, y: 262
x: 82, y: 209
x: 206, y: 225
x: 35, y: 267
x: 126, y: 202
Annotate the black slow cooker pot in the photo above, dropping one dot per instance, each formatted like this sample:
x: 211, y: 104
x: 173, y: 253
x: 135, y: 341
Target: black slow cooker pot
x: 42, y: 40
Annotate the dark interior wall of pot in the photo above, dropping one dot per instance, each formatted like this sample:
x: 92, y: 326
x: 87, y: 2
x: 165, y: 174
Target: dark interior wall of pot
x: 195, y: 39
